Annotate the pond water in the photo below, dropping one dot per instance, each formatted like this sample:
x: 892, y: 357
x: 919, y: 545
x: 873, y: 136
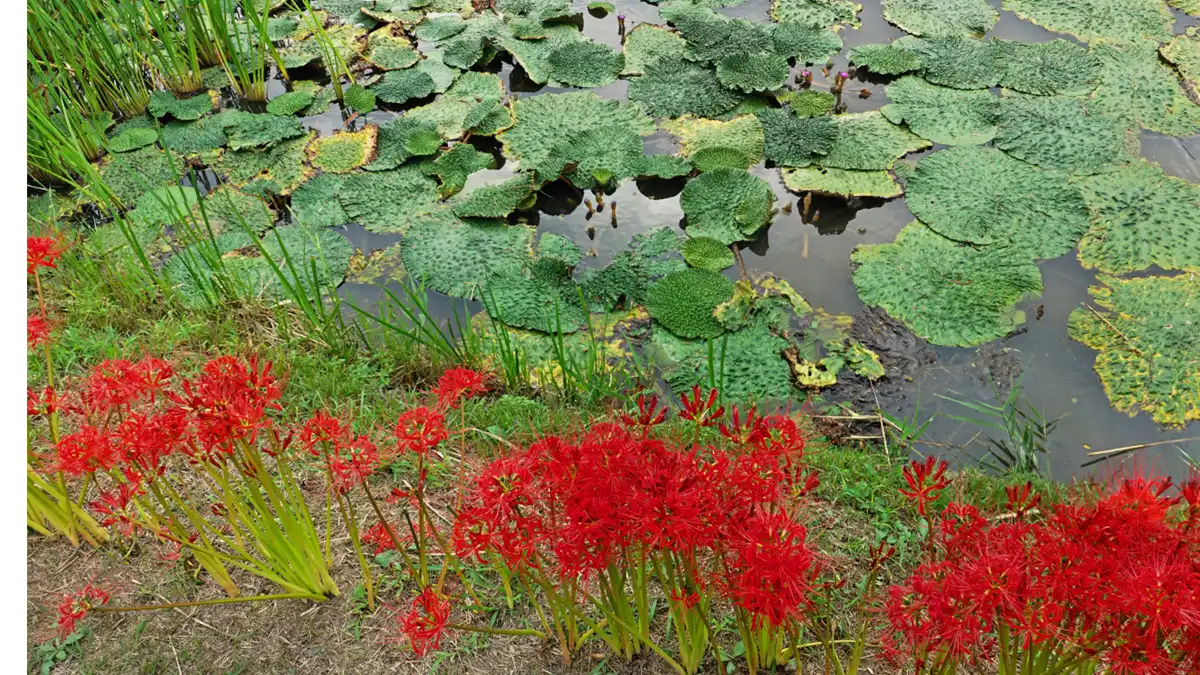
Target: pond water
x: 814, y: 258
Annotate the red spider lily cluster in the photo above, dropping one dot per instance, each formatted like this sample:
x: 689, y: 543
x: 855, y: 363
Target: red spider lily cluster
x: 425, y: 621
x: 1112, y: 585
x: 76, y: 606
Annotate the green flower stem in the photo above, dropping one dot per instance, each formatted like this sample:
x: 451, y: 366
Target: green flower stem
x: 498, y: 631
x: 214, y: 601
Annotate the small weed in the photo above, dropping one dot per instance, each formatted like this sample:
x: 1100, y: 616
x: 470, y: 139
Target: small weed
x: 56, y: 652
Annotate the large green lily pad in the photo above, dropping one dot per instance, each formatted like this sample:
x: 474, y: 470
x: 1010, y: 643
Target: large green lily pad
x: 228, y: 210
x: 726, y: 204
x: 344, y: 151
x: 389, y: 49
x: 674, y: 86
x: 1057, y: 132
x: 941, y: 17
x: 743, y: 133
x: 495, y: 201
x: 683, y: 302
x: 1141, y: 217
x: 947, y: 293
x: 402, y: 138
x: 453, y: 167
x: 796, y: 141
x: 388, y: 201
x: 942, y: 114
x: 1145, y: 331
x: 461, y: 257
x: 255, y: 131
x: 129, y: 174
x: 841, y: 182
x: 885, y: 59
x: 1054, y: 67
x: 753, y: 72
x: 707, y: 254
x: 868, y: 141
x: 648, y: 43
x: 1089, y: 20
x: 163, y: 103
x: 290, y: 103
x: 317, y: 203
x: 281, y: 164
x: 958, y: 61
x: 132, y: 139
x: 983, y: 196
x: 542, y: 304
x: 825, y: 13
x: 584, y: 64
x: 1137, y: 86
x: 451, y: 110
x: 1184, y: 52
x: 401, y: 86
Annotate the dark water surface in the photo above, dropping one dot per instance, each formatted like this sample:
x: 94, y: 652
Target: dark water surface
x: 1058, y: 378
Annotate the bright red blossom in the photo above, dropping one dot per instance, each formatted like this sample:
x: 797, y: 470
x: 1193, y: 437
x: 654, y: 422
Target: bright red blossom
x: 37, y: 328
x: 925, y: 481
x: 88, y: 450
x: 703, y: 411
x: 114, y: 507
x: 75, y: 607
x: 420, y: 430
x: 459, y: 383
x: 425, y: 621
x: 44, y: 251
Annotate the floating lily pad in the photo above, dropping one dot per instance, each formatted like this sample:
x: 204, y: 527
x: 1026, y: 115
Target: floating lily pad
x: 1188, y: 6
x: 748, y: 363
x: 443, y: 76
x: 290, y: 103
x: 885, y: 59
x: 255, y: 131
x: 1136, y: 86
x: 707, y: 254
x: 164, y: 206
x: 1047, y: 68
x: 132, y: 139
x: 227, y: 210
x: 282, y: 164
x: 129, y: 174
x: 388, y: 201
x: 584, y: 64
x: 941, y: 17
x: 824, y: 13
x: 868, y: 141
x: 402, y: 86
x: 344, y: 151
x: 1089, y: 20
x: 664, y: 166
x: 942, y: 114
x: 323, y: 97
x: 1057, y: 132
x: 796, y: 141
x: 601, y: 9
x: 495, y: 201
x: 450, y: 110
x: 841, y: 182
x: 646, y: 44
x: 753, y: 72
x: 389, y: 49
x: 460, y: 257
x: 359, y: 99
x: 402, y: 138
x: 1145, y: 331
x: 382, y: 266
x: 683, y: 302
x: 540, y: 304
x: 805, y: 44
x: 947, y: 293
x: 163, y: 103
x: 959, y: 62
x: 674, y: 86
x: 726, y: 204
x: 743, y: 133
x: 601, y: 156
x: 1184, y: 52
x: 707, y: 159
x: 557, y: 247
x: 317, y: 202
x: 983, y: 196
x: 453, y: 167
x: 1141, y: 217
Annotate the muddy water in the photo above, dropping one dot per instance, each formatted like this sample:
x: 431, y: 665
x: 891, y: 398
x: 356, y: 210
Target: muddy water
x: 814, y: 258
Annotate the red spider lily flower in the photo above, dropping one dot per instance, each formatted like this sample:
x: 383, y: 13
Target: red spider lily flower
x: 229, y: 402
x: 925, y: 480
x: 773, y: 569
x: 459, y: 383
x: 152, y: 376
x: 322, y: 430
x: 425, y: 621
x: 1021, y: 500
x: 377, y: 536
x: 38, y: 329
x: 115, y: 508
x: 753, y: 431
x: 118, y: 384
x: 880, y: 554
x: 684, y: 599
x: 811, y: 482
x: 1190, y: 491
x: 353, y: 463
x: 703, y: 411
x: 75, y: 607
x: 86, y: 451
x: 174, y: 552
x: 147, y: 440
x: 44, y: 251
x: 419, y: 430
x: 783, y: 439
x: 44, y: 403
x: 647, y: 416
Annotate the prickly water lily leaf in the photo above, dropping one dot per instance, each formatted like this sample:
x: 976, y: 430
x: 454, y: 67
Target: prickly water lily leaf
x: 548, y: 126
x: 402, y: 138
x: 537, y: 10
x: 753, y: 72
x: 461, y: 257
x: 1141, y: 217
x: 534, y: 54
x: 885, y: 59
x: 557, y: 247
x: 317, y: 202
x: 451, y: 109
x: 453, y: 167
x: 707, y: 159
x: 388, y: 201
x: 942, y: 114
x: 344, y: 151
x: 255, y: 131
x: 958, y: 61
x: 495, y: 201
x: 795, y: 141
x: 129, y: 174
x: 290, y: 103
x: 227, y: 210
x: 841, y: 182
x: 601, y: 155
x: 646, y: 44
x: 282, y: 164
x: 349, y: 11
x: 443, y: 76
x: 664, y: 166
x: 983, y: 196
x: 947, y: 293
x: 359, y: 99
x: 323, y: 97
x: 823, y: 13
x: 743, y: 133
x: 537, y: 303
x: 1090, y: 20
x: 683, y: 302
x: 1136, y: 86
x: 163, y: 103
x: 1188, y: 6
x: 726, y: 204
x: 941, y: 17
x: 1149, y: 358
x: 655, y: 242
x: 807, y: 103
x: 868, y: 141
x: 1048, y: 68
x: 132, y: 139
x: 805, y: 44
x: 389, y: 49
x: 164, y: 206
x: 674, y: 86
x: 1057, y: 132
x: 1184, y: 52
x: 401, y: 86
x: 707, y: 254
x: 752, y: 369
x: 584, y: 64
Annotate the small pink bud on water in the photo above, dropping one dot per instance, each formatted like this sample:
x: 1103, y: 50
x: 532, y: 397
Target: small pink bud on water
x: 843, y: 75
